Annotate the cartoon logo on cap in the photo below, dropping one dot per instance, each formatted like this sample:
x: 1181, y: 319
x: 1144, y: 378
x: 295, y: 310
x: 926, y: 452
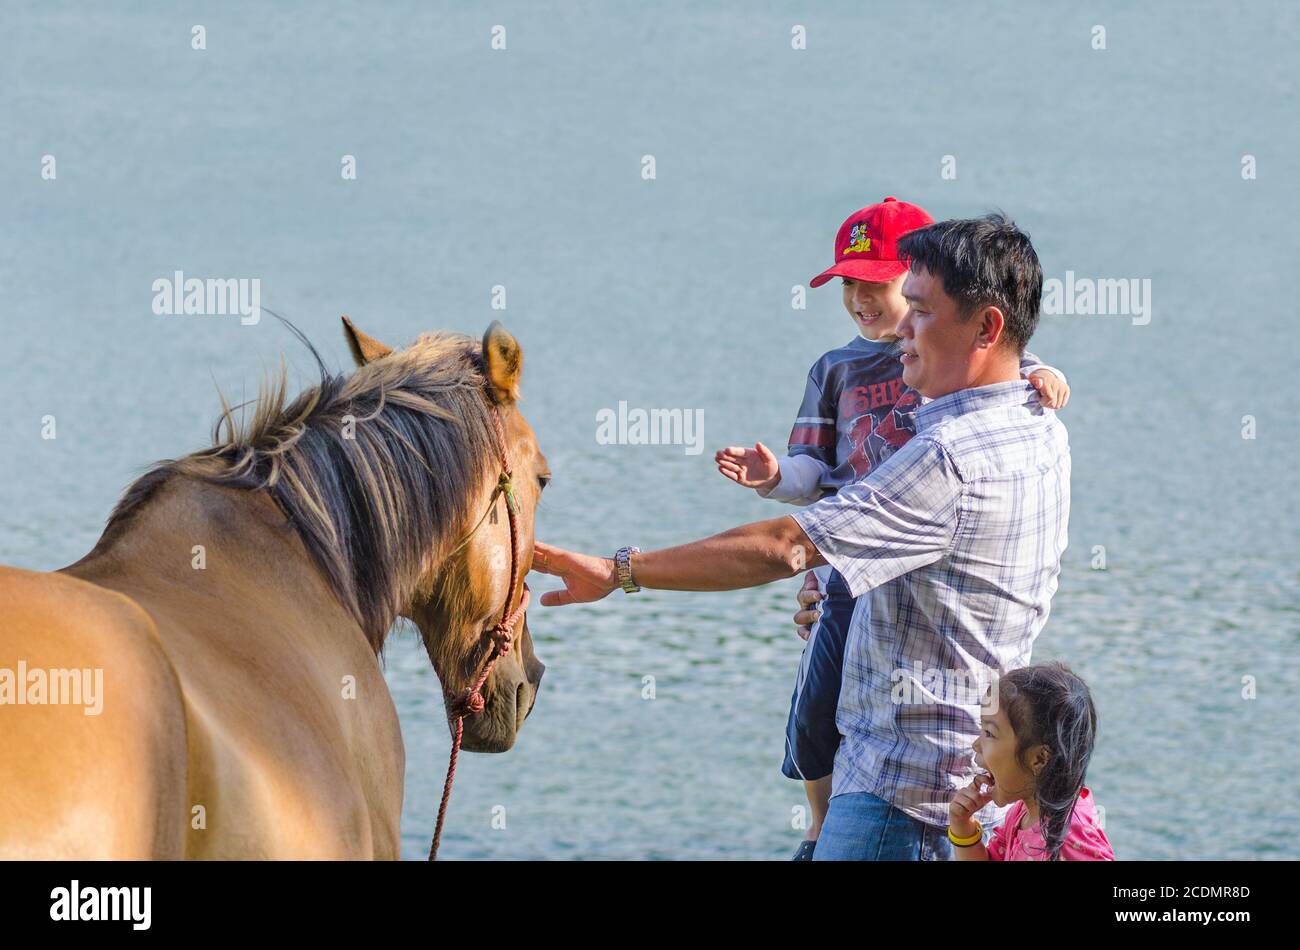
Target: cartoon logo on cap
x: 858, y: 240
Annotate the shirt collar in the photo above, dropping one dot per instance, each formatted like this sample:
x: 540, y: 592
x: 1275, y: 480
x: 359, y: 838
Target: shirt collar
x: 860, y: 342
x: 1010, y: 393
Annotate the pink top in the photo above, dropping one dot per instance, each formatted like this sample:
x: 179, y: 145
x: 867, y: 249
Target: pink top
x: 1084, y: 841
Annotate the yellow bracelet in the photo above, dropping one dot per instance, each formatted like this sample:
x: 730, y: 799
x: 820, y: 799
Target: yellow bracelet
x: 967, y: 842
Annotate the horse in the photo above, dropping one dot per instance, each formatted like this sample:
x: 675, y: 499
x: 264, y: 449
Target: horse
x: 235, y: 610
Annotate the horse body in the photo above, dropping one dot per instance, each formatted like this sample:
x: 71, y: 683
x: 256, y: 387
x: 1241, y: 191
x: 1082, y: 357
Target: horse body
x: 78, y: 786
x: 244, y: 712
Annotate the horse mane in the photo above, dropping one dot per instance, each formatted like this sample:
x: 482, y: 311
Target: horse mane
x: 373, y: 470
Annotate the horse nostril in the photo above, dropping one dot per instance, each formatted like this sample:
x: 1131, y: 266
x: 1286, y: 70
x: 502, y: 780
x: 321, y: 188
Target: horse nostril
x: 522, y: 706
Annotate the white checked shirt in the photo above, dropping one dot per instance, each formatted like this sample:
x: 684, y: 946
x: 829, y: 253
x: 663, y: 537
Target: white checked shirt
x: 952, y: 547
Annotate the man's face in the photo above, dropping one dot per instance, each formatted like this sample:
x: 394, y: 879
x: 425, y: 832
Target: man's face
x: 937, y: 343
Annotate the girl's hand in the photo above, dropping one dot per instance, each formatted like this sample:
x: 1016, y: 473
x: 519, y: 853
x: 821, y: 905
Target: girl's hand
x: 753, y: 468
x: 1053, y: 392
x: 967, y: 801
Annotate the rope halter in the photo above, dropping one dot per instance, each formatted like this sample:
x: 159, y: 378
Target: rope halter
x: 470, y: 701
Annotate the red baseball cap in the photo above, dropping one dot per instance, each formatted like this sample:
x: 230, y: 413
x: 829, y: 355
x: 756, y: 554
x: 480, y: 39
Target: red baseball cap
x: 866, y: 247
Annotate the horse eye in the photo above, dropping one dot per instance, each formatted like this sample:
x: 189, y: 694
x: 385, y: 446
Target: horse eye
x: 543, y: 481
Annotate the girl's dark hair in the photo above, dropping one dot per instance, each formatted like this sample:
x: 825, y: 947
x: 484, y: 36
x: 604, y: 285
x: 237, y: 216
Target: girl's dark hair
x: 1048, y: 705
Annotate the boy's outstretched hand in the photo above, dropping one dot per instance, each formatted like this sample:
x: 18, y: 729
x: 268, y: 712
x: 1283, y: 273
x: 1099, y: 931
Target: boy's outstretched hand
x: 753, y: 468
x: 1053, y: 392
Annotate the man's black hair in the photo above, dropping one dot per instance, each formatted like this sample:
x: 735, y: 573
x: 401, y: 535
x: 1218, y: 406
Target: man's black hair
x: 983, y: 262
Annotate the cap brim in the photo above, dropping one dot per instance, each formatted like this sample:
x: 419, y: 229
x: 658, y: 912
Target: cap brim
x: 879, y: 272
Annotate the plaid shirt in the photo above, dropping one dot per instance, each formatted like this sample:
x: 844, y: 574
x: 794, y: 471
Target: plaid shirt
x: 956, y: 543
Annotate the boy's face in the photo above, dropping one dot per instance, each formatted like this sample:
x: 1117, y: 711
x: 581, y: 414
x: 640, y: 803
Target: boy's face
x: 875, y: 308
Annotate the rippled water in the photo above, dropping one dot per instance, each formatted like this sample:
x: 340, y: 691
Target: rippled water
x: 522, y: 168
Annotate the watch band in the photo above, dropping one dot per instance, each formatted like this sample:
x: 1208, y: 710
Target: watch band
x: 623, y: 566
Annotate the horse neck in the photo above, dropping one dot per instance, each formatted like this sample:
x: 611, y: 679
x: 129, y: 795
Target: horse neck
x: 239, y: 540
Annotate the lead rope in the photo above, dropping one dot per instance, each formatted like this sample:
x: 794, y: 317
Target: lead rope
x: 469, y: 701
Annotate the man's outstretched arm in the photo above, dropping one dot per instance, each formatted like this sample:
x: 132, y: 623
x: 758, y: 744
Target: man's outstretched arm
x: 748, y: 556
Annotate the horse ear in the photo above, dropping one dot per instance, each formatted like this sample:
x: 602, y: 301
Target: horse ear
x: 365, y: 349
x: 504, y: 361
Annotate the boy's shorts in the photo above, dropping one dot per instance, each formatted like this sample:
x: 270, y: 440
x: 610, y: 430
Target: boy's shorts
x: 811, y: 736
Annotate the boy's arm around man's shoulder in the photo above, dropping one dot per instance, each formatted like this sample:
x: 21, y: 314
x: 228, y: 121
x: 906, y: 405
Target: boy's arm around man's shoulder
x: 1030, y: 364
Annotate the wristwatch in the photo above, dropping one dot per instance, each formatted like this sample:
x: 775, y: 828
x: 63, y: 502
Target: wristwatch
x: 623, y: 565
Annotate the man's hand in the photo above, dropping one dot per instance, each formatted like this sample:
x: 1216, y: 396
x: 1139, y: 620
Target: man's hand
x: 586, y: 578
x: 753, y: 468
x: 808, y: 613
x: 1053, y: 392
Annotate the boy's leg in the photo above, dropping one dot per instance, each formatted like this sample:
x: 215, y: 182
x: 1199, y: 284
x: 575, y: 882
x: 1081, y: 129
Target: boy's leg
x: 818, y: 792
x: 812, y: 737
x: 819, y: 800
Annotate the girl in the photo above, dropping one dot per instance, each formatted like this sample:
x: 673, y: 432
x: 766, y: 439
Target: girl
x: 1033, y: 750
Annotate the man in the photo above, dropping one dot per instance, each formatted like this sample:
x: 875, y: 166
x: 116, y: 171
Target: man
x: 952, y: 546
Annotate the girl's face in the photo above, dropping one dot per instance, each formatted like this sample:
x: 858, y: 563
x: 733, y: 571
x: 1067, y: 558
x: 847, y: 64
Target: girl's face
x: 875, y: 308
x: 995, y: 754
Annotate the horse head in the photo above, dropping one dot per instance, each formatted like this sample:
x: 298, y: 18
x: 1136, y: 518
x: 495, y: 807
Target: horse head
x: 465, y: 589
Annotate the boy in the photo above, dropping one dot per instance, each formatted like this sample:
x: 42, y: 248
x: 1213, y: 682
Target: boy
x: 856, y: 412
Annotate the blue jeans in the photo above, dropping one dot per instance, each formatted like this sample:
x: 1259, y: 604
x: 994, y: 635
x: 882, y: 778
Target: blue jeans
x: 860, y: 826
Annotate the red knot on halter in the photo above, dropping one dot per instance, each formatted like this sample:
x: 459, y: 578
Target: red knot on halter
x: 469, y: 701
